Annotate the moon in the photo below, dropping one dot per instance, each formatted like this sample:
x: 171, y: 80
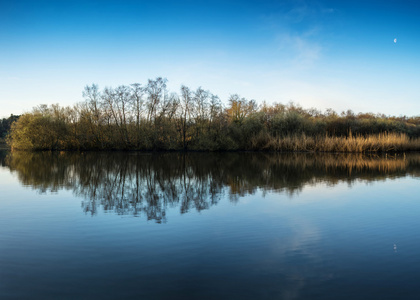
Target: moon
x: 395, y: 41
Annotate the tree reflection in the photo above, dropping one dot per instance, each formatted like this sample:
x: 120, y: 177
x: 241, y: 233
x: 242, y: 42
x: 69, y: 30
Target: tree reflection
x: 147, y: 184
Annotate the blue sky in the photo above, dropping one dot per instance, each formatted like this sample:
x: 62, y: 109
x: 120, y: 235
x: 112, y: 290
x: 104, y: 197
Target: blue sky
x: 323, y: 54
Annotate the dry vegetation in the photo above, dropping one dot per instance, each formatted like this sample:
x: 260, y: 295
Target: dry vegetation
x: 148, y: 117
x: 383, y: 142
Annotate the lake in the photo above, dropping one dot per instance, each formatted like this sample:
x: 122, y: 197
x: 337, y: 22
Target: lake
x: 128, y: 225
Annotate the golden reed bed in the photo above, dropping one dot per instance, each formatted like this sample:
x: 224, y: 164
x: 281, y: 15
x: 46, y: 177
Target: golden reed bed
x: 384, y: 142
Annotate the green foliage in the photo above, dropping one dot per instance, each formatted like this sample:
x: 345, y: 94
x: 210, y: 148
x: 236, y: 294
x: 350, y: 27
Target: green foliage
x: 5, y: 125
x: 38, y: 132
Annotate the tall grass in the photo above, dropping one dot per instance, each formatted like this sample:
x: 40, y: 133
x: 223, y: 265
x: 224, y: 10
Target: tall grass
x: 384, y: 142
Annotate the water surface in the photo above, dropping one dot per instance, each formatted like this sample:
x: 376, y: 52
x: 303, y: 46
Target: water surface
x: 209, y: 226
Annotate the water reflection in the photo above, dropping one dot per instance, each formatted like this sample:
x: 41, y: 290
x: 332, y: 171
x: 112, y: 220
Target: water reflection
x: 262, y: 250
x: 144, y: 183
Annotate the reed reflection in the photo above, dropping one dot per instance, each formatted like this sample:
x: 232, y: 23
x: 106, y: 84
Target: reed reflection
x: 147, y: 184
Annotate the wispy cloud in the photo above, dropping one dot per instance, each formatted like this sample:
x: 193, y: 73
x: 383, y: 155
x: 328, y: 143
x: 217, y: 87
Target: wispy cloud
x: 297, y: 29
x: 303, y: 50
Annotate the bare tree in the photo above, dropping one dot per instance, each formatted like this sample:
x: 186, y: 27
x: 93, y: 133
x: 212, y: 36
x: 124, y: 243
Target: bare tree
x: 215, y: 107
x: 240, y: 108
x: 155, y: 91
x: 170, y: 106
x: 185, y: 113
x: 201, y: 99
x: 137, y: 101
x: 122, y: 102
x: 93, y: 99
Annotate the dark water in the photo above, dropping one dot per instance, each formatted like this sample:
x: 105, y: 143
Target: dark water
x: 209, y: 226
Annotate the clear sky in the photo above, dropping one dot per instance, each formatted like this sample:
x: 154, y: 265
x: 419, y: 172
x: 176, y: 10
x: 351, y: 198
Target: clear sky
x: 359, y: 55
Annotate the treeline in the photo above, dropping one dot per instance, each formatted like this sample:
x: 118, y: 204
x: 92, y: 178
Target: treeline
x: 149, y: 117
x: 5, y: 125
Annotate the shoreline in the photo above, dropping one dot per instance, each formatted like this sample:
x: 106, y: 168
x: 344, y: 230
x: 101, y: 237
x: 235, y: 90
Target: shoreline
x: 380, y: 143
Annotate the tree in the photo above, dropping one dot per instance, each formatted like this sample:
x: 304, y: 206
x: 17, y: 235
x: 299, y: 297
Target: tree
x: 155, y: 90
x: 122, y: 100
x: 240, y: 108
x: 185, y: 113
x: 5, y: 125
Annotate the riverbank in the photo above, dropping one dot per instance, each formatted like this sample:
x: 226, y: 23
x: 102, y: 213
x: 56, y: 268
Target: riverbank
x: 385, y: 142
x: 4, y: 145
x: 379, y: 143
